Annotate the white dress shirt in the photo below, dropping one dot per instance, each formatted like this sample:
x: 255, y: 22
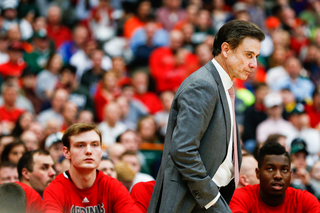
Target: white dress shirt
x: 225, y: 172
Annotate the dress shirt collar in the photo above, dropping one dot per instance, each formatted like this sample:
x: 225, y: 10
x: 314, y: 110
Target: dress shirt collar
x: 225, y: 78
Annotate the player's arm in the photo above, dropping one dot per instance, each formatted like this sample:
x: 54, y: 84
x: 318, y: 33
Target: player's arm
x: 239, y: 202
x: 195, y: 106
x: 52, y: 201
x: 122, y: 201
x: 310, y: 203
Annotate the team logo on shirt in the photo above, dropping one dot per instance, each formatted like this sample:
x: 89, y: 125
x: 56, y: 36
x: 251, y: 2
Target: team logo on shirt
x: 89, y: 209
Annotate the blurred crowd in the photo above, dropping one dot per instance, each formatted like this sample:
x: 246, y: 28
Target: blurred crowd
x: 118, y: 63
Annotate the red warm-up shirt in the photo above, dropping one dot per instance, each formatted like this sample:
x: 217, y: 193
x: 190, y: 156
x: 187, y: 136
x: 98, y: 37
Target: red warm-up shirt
x: 247, y: 200
x: 141, y: 194
x: 34, y: 201
x: 105, y: 195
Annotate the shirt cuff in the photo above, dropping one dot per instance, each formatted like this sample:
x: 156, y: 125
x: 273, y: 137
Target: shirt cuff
x: 213, y: 201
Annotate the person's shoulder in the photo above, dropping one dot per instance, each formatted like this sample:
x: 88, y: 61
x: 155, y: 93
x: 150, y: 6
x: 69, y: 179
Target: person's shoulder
x: 248, y: 189
x: 61, y: 181
x: 107, y: 181
x: 148, y: 185
x: 28, y: 190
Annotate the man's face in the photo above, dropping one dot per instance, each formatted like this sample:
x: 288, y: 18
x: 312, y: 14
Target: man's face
x: 55, y: 151
x: 242, y: 60
x: 133, y: 162
x: 274, y: 175
x: 43, y: 172
x: 85, y: 151
x: 107, y: 167
x: 130, y: 142
x: 8, y: 175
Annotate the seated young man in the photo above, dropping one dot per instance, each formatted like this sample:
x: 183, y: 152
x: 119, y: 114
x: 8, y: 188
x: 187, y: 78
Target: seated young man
x: 273, y: 194
x: 84, y: 188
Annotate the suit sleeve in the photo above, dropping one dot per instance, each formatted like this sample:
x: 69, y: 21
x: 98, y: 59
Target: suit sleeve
x: 195, y: 106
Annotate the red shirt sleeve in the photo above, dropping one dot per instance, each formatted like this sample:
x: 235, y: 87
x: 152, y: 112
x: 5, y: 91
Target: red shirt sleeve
x: 122, y: 201
x: 141, y: 194
x: 34, y: 201
x: 310, y: 202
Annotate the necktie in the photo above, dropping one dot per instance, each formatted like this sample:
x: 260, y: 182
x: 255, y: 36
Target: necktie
x: 235, y: 144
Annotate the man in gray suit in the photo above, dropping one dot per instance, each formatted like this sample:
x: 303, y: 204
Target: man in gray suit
x: 197, y: 169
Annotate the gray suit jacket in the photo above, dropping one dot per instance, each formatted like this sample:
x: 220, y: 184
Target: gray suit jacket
x: 195, y: 146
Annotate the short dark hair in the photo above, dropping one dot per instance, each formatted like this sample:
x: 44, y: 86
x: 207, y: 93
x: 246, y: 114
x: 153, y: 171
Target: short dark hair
x: 233, y: 32
x: 12, y: 198
x: 76, y: 129
x: 7, y: 164
x: 26, y: 161
x: 271, y: 148
x: 128, y: 152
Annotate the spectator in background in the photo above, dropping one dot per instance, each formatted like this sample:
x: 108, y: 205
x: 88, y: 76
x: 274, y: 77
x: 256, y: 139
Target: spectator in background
x: 276, y: 65
x: 68, y: 48
x: 28, y: 85
x: 302, y: 88
x: 138, y: 19
x: 9, y: 13
x: 23, y: 123
x: 90, y: 78
x: 42, y: 50
x: 106, y: 93
x: 56, y: 31
x: 15, y: 64
x: 111, y: 127
x: 62, y: 165
x: 125, y: 174
x: 59, y: 97
x: 247, y: 175
x: 145, y: 40
x: 253, y: 116
x: 274, y: 122
x: 315, y: 179
x: 192, y: 12
x: 4, y: 57
x: 115, y: 151
x: 85, y: 116
x: 313, y: 110
x: 204, y: 54
x: 300, y: 121
x: 53, y: 125
x: 203, y: 28
x: 77, y: 93
x: 12, y: 198
x: 162, y: 116
x: 8, y: 172
x: 30, y: 139
x: 300, y: 171
x: 31, y: 172
x: 82, y: 59
x: 131, y: 158
x: 169, y: 66
x: 38, y: 129
x: 5, y: 140
x: 101, y: 21
x: 170, y: 13
x: 140, y: 83
x: 53, y: 145
x: 13, y: 152
x: 147, y: 130
x: 119, y: 66
x: 9, y: 113
x: 220, y: 15
x: 69, y: 113
x: 48, y: 78
x: 107, y: 167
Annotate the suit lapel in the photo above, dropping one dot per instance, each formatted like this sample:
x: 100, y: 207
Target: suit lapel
x: 212, y: 69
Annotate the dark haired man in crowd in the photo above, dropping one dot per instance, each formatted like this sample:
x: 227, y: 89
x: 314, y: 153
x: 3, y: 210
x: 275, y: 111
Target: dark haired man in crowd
x: 273, y: 194
x: 202, y: 155
x: 35, y: 169
x: 83, y: 188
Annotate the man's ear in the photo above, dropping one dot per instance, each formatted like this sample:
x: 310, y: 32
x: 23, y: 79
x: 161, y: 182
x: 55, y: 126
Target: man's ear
x: 225, y: 47
x: 243, y: 180
x: 258, y: 173
x: 25, y: 173
x: 66, y: 152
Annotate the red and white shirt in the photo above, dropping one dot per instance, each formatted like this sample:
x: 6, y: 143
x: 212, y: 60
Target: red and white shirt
x: 105, y: 195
